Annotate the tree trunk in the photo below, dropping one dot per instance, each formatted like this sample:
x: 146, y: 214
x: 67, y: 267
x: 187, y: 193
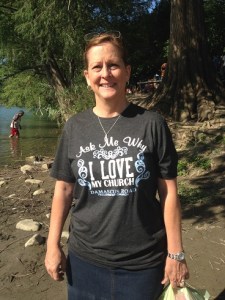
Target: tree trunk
x: 60, y: 86
x: 190, y: 88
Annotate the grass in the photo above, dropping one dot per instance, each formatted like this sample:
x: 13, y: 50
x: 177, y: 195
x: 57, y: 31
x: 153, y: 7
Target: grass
x: 190, y: 195
x: 201, y: 162
x: 195, y: 161
x: 196, y: 183
x: 182, y: 167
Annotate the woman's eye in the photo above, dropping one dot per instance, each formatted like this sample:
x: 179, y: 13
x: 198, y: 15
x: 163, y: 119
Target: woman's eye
x: 97, y: 68
x: 113, y: 66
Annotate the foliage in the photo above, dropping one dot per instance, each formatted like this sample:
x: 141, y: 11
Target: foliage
x: 182, y: 167
x: 196, y: 161
x: 41, y: 39
x: 84, y: 98
x: 26, y: 90
x: 166, y: 49
x: 44, y: 39
x: 215, y: 24
x: 145, y: 39
x: 201, y: 162
x: 80, y: 97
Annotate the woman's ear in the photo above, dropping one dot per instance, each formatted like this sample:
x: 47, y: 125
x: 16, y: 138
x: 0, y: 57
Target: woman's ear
x: 128, y: 68
x: 86, y: 77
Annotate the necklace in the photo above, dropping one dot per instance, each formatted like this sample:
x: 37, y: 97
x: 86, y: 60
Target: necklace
x: 106, y: 132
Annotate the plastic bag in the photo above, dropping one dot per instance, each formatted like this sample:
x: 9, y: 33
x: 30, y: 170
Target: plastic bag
x: 185, y: 293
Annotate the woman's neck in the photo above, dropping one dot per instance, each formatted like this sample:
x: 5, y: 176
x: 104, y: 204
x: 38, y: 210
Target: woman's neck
x: 110, y: 109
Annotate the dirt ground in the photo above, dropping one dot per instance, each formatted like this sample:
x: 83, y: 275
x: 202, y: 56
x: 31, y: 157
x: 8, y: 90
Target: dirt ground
x: 22, y: 272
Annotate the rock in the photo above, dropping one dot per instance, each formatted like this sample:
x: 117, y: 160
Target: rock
x: 65, y: 234
x: 34, y: 158
x: 28, y: 225
x: 26, y: 169
x: 30, y: 158
x: 12, y: 195
x: 2, y: 182
x: 38, y: 192
x: 34, y: 181
x: 48, y: 215
x: 36, y: 239
x: 47, y: 166
x: 38, y: 158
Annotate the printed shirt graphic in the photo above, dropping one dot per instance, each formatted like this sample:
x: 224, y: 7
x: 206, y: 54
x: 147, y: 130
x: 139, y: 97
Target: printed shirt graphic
x: 117, y: 220
x: 116, y: 174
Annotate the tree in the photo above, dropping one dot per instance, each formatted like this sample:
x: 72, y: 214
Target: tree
x: 190, y: 89
x: 46, y: 38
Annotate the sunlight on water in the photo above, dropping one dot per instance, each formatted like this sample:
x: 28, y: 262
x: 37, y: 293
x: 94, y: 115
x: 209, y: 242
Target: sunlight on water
x: 39, y: 136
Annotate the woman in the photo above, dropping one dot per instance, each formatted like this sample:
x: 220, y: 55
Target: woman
x: 112, y: 159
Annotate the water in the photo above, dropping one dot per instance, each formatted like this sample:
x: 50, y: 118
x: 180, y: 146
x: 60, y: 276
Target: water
x: 39, y: 136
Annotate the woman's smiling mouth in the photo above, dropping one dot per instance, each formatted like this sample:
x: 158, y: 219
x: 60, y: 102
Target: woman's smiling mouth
x: 107, y: 85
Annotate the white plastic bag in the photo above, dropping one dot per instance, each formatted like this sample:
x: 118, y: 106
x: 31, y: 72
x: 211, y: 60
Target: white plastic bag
x: 185, y: 293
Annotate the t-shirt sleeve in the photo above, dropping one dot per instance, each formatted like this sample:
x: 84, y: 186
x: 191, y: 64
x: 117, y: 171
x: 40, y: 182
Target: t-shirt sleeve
x: 166, y: 152
x: 61, y: 169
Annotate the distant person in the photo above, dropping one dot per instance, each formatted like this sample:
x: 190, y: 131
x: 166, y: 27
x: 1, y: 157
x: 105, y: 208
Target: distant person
x: 157, y: 80
x: 163, y: 70
x: 15, y: 124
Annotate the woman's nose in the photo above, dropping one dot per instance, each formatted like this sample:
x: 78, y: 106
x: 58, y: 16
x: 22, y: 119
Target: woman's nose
x: 106, y: 71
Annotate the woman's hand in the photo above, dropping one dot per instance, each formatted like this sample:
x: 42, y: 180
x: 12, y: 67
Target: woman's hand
x: 175, y: 272
x: 55, y: 263
x: 55, y: 259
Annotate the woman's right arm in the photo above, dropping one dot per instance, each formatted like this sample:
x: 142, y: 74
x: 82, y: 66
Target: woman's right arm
x: 55, y: 260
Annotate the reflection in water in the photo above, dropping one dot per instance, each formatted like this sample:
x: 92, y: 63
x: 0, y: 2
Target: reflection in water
x: 15, y: 148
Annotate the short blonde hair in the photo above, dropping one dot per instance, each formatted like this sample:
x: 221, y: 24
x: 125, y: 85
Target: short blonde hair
x: 102, y: 38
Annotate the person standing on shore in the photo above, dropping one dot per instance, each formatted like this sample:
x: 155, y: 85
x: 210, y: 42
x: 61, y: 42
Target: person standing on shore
x: 15, y: 124
x: 111, y: 161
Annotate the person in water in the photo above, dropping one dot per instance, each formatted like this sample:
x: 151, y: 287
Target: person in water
x: 15, y: 124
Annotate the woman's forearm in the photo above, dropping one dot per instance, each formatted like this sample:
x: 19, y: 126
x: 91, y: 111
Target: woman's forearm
x: 172, y: 214
x: 61, y: 204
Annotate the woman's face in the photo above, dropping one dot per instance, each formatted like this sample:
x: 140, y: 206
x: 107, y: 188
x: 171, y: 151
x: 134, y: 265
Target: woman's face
x: 106, y: 74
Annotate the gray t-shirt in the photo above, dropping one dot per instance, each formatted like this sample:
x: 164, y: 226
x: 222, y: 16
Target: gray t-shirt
x: 117, y: 220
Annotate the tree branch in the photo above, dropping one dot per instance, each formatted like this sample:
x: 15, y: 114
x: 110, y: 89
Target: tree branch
x: 8, y: 7
x: 21, y: 71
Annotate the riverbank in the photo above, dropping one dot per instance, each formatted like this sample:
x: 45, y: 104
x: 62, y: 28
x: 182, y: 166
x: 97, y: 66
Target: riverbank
x: 202, y: 192
x: 39, y: 136
x: 22, y: 269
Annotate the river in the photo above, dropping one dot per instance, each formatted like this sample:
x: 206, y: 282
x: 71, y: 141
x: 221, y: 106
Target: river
x: 38, y: 136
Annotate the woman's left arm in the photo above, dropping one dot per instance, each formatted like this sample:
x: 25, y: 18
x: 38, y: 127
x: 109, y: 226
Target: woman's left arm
x: 175, y: 271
